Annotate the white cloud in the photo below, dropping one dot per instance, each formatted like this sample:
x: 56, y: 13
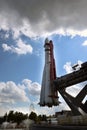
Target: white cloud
x: 6, y: 47
x: 84, y: 43
x: 33, y: 87
x: 68, y: 67
x: 11, y: 93
x: 37, y: 18
x: 25, y: 92
x: 21, y: 48
x: 75, y: 89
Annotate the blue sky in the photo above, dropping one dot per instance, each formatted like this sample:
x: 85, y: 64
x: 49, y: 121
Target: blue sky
x: 23, y: 29
x: 16, y: 66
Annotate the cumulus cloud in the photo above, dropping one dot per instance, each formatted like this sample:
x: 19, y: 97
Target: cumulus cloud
x: 69, y: 67
x: 84, y: 43
x: 6, y: 47
x: 12, y: 92
x: 33, y: 87
x: 21, y: 48
x: 38, y: 17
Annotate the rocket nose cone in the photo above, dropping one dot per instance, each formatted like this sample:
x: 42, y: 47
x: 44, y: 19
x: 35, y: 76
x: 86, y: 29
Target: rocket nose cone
x: 46, y: 40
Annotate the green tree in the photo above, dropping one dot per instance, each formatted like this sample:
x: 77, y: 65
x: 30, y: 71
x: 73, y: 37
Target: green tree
x: 33, y: 116
x: 15, y: 117
x: 42, y: 118
x: 5, y: 117
x: 18, y: 117
x: 10, y: 116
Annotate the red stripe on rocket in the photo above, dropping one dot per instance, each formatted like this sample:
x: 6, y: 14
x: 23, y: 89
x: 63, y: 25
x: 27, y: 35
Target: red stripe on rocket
x: 52, y: 63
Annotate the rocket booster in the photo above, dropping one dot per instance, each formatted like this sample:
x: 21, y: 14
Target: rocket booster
x: 48, y: 96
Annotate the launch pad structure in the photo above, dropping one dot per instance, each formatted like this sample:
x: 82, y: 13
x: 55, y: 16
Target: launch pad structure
x: 51, y: 84
x: 75, y: 103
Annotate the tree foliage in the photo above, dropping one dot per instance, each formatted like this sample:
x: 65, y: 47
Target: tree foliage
x: 15, y: 117
x: 18, y: 117
x: 33, y: 116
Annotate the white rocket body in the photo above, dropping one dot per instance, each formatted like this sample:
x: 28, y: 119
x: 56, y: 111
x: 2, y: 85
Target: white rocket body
x: 48, y: 96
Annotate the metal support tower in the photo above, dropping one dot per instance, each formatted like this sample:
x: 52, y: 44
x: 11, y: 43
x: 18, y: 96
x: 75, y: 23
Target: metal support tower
x: 75, y: 103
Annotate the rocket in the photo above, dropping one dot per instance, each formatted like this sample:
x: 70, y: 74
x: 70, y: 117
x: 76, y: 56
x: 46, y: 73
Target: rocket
x: 48, y: 95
